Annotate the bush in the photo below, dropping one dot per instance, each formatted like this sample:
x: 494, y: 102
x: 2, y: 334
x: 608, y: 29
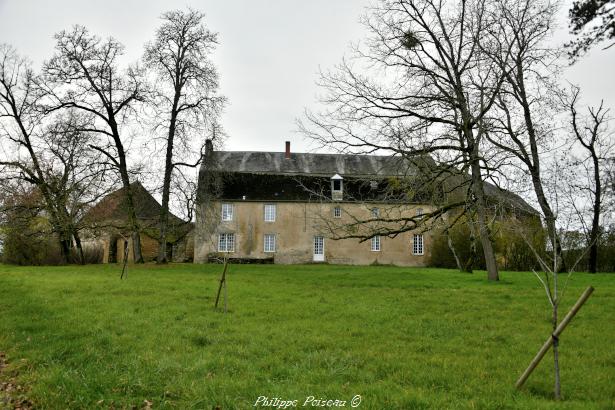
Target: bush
x: 509, y: 241
x: 460, y: 234
x: 91, y: 255
x: 30, y: 248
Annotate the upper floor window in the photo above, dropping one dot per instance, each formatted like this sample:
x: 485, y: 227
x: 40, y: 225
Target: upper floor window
x: 227, y: 212
x: 269, y: 212
x: 376, y: 243
x: 337, y: 212
x: 269, y: 241
x: 417, y: 244
x: 226, y: 242
x: 375, y: 212
x: 419, y: 211
x: 337, y: 187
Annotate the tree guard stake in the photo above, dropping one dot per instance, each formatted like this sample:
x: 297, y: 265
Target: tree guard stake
x: 222, y: 283
x: 560, y: 328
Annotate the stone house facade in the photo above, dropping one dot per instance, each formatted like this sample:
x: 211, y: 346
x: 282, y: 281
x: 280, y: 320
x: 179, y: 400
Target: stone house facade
x: 288, y: 208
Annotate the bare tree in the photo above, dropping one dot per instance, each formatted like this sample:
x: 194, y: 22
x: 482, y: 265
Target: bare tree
x: 186, y: 99
x: 84, y: 75
x: 30, y: 152
x: 75, y: 174
x: 424, y: 88
x: 592, y: 133
x: 521, y: 124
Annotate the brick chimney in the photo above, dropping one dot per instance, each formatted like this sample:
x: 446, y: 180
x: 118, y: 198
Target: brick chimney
x: 287, y: 154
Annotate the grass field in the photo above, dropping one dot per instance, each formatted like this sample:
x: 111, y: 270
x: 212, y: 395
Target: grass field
x: 400, y: 338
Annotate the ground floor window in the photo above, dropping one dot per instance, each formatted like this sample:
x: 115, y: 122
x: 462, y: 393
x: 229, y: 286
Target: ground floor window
x: 269, y: 242
x: 226, y: 242
x: 376, y: 243
x: 417, y: 244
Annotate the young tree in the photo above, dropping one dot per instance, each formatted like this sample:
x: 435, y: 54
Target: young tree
x: 425, y: 87
x: 186, y: 95
x: 84, y: 75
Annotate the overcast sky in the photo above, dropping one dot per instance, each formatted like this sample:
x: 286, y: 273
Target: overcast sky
x: 269, y: 54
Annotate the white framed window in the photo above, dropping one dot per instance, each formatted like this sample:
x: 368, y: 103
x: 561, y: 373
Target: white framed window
x: 270, y: 212
x: 269, y: 241
x: 227, y: 212
x: 337, y: 212
x: 375, y: 212
x: 419, y: 211
x: 376, y: 243
x: 226, y: 242
x: 417, y: 244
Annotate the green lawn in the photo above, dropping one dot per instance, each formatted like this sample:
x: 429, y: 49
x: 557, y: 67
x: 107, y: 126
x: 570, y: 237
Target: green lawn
x: 401, y: 338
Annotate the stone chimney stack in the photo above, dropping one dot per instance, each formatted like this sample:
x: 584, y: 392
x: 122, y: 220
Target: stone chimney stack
x: 287, y: 155
x: 209, y: 147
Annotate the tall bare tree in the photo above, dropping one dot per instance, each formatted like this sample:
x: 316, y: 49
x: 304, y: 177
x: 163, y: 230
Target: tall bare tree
x: 592, y: 133
x: 186, y: 95
x: 521, y: 124
x: 422, y: 85
x: 44, y: 151
x: 84, y: 75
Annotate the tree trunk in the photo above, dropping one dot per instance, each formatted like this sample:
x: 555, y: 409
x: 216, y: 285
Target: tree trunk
x: 595, y: 231
x: 449, y: 241
x: 123, y: 170
x: 469, y: 266
x: 557, y: 387
x: 166, y: 187
x: 79, y: 247
x: 64, y: 249
x: 481, y: 212
x: 532, y: 160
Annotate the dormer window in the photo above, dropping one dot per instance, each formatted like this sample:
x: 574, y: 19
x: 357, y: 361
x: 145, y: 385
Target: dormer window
x: 337, y: 187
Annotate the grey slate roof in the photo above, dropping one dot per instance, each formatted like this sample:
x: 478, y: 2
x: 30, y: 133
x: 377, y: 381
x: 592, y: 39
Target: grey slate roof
x: 327, y: 165
x: 311, y: 164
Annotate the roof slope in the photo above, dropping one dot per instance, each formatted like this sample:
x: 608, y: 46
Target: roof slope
x: 113, y: 210
x: 312, y: 164
x: 315, y: 166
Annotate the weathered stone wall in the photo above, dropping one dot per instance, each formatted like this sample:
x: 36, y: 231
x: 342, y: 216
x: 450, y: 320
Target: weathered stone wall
x: 295, y: 226
x: 183, y: 250
x: 149, y: 249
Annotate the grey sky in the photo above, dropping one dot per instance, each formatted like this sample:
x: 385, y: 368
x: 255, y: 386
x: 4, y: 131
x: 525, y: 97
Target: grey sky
x: 268, y: 57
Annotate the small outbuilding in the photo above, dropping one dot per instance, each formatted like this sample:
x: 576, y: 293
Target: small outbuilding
x: 108, y: 227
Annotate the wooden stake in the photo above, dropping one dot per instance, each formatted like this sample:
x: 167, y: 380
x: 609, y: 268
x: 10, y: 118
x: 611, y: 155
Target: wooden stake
x: 222, y: 282
x: 560, y: 328
x: 225, y: 303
